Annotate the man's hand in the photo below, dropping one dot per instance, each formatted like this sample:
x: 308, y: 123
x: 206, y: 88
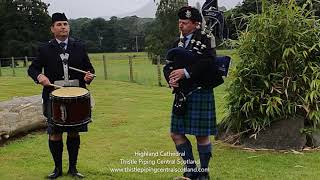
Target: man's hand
x: 88, y: 77
x: 43, y: 80
x: 175, y: 76
x: 173, y: 84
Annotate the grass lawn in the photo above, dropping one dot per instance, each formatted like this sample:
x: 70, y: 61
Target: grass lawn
x: 129, y: 118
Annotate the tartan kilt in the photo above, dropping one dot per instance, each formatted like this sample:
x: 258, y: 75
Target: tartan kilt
x: 53, y: 129
x: 200, y: 118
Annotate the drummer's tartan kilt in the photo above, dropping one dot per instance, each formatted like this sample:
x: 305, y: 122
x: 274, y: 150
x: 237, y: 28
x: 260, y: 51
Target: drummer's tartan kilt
x: 200, y: 118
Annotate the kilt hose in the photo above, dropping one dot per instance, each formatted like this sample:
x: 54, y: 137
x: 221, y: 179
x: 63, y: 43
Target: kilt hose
x: 200, y: 118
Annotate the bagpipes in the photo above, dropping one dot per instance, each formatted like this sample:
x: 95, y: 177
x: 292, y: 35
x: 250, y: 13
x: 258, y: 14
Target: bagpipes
x: 214, y: 19
x: 180, y: 57
x: 215, y: 25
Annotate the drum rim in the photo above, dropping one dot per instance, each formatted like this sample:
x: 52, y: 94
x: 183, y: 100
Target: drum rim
x: 53, y: 97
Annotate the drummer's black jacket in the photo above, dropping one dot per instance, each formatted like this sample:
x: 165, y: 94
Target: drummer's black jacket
x: 201, y: 73
x: 48, y: 59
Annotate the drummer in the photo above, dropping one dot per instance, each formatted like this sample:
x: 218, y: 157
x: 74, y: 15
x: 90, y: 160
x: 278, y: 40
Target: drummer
x: 53, y: 57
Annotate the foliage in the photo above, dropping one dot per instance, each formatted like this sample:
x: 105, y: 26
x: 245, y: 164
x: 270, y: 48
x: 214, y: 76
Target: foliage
x: 23, y: 24
x: 236, y: 18
x: 164, y: 30
x: 278, y: 75
x: 114, y: 35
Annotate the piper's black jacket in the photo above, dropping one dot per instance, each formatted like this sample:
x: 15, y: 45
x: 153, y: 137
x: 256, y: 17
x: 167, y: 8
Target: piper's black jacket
x: 202, y: 72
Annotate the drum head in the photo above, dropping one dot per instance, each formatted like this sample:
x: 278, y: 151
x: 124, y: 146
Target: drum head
x: 70, y: 92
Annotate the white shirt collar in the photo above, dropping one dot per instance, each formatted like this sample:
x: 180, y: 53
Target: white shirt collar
x: 188, y: 40
x: 189, y: 36
x: 65, y: 41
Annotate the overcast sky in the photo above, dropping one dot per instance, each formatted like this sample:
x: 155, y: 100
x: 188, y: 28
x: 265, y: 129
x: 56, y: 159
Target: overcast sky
x: 98, y: 8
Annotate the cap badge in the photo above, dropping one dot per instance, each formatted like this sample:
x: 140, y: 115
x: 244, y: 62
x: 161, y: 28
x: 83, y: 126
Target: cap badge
x: 188, y: 14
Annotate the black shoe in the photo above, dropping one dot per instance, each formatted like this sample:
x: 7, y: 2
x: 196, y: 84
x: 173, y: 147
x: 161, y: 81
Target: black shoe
x: 190, y: 175
x: 204, y: 176
x: 55, y: 174
x: 74, y: 172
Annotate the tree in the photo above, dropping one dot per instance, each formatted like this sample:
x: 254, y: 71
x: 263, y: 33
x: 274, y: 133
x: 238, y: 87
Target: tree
x: 77, y: 25
x: 131, y: 29
x: 164, y: 30
x: 24, y: 24
x: 117, y: 34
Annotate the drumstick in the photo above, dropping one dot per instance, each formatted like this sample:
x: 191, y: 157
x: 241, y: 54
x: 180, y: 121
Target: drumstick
x: 56, y: 86
x: 79, y: 70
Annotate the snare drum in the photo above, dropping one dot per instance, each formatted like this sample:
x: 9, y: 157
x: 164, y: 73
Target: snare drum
x: 70, y: 106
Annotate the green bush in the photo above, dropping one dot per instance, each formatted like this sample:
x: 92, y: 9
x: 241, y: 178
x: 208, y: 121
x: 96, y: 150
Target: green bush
x: 278, y: 75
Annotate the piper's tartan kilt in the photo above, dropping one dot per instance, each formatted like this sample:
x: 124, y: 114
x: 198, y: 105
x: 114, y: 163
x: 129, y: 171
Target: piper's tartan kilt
x: 200, y: 118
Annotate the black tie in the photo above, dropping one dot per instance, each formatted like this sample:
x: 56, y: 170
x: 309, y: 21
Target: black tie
x: 185, y: 38
x: 185, y: 41
x: 62, y: 45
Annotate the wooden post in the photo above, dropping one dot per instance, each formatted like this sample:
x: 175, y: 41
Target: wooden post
x: 130, y: 69
x: 25, y: 62
x: 105, y: 67
x: 13, y: 67
x: 159, y: 70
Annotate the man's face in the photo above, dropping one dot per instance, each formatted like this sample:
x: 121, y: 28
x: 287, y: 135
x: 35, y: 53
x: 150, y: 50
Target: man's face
x: 187, y: 26
x: 60, y: 29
